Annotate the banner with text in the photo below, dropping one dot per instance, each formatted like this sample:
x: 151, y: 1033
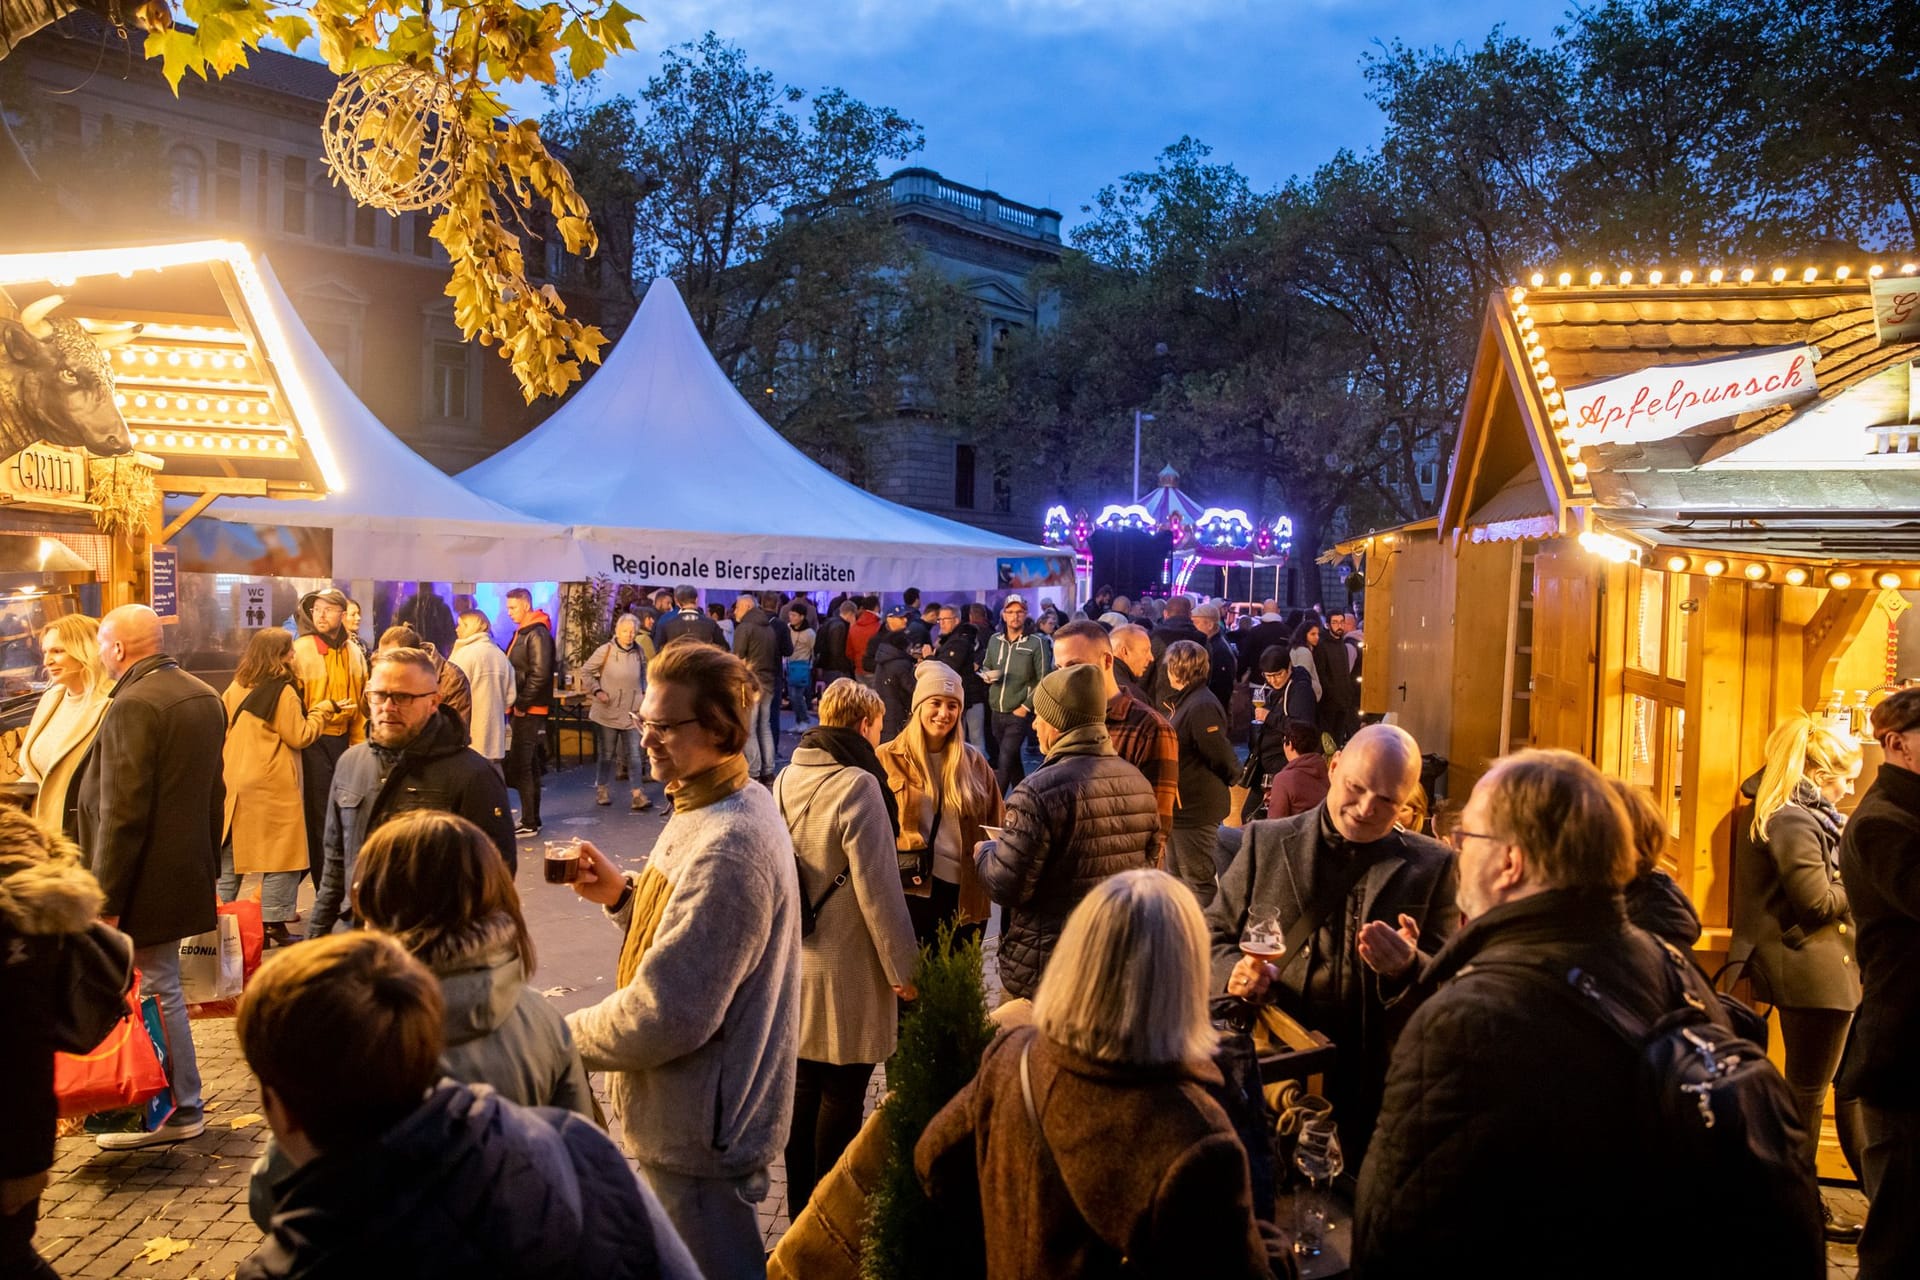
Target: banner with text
x: 1665, y: 400
x: 750, y: 564
x: 1896, y: 308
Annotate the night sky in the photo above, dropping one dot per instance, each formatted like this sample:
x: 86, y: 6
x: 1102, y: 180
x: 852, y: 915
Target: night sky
x: 1045, y: 101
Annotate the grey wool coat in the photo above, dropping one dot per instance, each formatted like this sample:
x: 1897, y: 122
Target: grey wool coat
x: 863, y: 944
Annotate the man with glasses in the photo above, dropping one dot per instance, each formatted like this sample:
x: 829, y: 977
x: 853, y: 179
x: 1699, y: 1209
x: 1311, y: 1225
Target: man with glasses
x: 1017, y: 659
x: 1880, y: 865
x: 959, y: 650
x: 416, y: 757
x: 1324, y: 874
x: 1519, y: 1128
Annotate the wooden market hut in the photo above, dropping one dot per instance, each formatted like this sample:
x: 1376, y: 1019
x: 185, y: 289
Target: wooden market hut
x: 1678, y: 511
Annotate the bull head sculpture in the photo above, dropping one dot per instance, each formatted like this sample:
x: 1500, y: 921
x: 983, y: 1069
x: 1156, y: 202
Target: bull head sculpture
x: 56, y: 383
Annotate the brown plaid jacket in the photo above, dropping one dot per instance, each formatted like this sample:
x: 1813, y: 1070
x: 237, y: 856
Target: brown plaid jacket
x: 1144, y: 738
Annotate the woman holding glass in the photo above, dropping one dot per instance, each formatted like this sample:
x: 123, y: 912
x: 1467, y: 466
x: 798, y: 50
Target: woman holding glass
x: 1103, y: 1105
x: 68, y: 717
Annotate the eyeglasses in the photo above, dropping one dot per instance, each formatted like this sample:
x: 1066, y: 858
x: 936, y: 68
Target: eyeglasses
x: 380, y: 697
x: 661, y: 728
x: 1458, y: 837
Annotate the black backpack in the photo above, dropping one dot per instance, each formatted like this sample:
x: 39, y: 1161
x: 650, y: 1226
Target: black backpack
x: 1725, y: 1127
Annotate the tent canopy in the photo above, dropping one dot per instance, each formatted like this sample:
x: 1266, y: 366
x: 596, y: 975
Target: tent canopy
x: 395, y: 515
x: 666, y: 474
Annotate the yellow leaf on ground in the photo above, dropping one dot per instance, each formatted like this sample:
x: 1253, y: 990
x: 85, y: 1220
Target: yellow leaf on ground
x: 160, y: 1248
x: 241, y: 1122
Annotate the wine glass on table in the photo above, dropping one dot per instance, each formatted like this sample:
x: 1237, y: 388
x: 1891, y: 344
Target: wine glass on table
x: 1317, y: 1155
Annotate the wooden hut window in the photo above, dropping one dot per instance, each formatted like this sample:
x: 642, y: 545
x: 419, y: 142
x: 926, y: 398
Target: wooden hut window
x: 1654, y: 707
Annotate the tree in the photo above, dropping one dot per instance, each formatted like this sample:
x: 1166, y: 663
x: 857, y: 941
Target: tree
x: 503, y: 166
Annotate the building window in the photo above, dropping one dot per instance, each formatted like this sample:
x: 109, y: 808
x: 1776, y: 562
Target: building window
x: 335, y: 340
x: 447, y: 387
x: 422, y: 236
x: 329, y: 214
x: 293, y: 194
x: 187, y: 181
x: 963, y: 476
x: 1002, y: 487
x: 366, y: 232
x: 1427, y: 474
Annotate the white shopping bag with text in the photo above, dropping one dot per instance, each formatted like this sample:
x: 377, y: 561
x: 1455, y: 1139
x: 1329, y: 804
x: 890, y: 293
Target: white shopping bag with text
x: 212, y: 965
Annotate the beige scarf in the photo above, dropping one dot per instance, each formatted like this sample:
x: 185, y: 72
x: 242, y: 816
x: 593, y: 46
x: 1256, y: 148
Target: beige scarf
x: 652, y: 889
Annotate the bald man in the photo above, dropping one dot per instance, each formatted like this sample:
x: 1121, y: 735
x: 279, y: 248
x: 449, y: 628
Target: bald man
x: 1324, y: 874
x: 1133, y: 663
x: 151, y: 815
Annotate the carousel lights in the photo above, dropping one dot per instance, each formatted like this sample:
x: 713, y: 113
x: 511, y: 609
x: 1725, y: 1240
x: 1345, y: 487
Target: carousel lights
x: 1128, y: 516
x: 1057, y: 526
x: 1223, y: 528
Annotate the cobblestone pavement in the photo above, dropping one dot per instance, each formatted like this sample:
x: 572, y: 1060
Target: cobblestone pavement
x: 106, y: 1210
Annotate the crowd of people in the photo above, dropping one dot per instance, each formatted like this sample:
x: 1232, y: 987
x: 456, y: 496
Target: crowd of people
x: 1210, y: 829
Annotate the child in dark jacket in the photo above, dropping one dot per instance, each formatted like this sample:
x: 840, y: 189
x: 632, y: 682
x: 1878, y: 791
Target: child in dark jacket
x: 398, y: 1175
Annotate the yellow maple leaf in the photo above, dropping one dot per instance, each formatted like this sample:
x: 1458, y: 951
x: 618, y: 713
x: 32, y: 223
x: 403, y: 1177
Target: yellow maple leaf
x: 241, y: 1122
x: 160, y: 1248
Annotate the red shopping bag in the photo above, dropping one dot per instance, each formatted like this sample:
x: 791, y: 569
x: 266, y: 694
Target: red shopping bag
x: 123, y: 1071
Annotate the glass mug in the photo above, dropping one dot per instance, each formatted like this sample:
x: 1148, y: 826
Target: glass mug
x: 563, y: 861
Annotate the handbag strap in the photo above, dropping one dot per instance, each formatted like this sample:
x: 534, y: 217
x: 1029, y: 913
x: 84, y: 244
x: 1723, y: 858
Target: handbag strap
x: 781, y: 800
x: 1308, y: 922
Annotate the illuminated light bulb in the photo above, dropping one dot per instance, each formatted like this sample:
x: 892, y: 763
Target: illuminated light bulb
x: 196, y: 360
x: 129, y: 356
x: 1594, y: 277
x: 1626, y: 277
x: 1538, y: 279
x: 1908, y: 269
x: 139, y: 402
x: 1553, y: 397
x: 1714, y: 568
x: 1566, y: 278
x: 1677, y: 564
x: 151, y: 358
x: 1520, y: 311
x: 1579, y: 470
x: 1839, y: 579
x: 1540, y: 366
x: 170, y: 441
x: 1841, y: 273
x: 1779, y: 274
x: 206, y: 442
x: 202, y: 404
x: 239, y: 362
x: 246, y: 443
x: 280, y: 446
x: 219, y: 361
x: 173, y: 358
x: 224, y: 406
x: 1755, y: 573
x: 1559, y: 416
x: 1715, y: 276
x: 1686, y: 277
x: 1887, y: 580
x: 226, y: 442
x: 119, y: 400
x: 1519, y: 295
x: 150, y: 439
x: 1655, y: 277
x: 1546, y: 383
x: 1746, y: 275
x: 1526, y: 324
x: 161, y: 402
x: 1795, y: 576
x: 1810, y: 275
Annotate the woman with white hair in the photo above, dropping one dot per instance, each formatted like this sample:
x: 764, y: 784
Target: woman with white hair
x: 1090, y: 1137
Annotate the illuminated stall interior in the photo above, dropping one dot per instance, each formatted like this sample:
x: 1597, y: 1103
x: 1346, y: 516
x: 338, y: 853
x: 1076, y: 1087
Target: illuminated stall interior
x: 1657, y: 595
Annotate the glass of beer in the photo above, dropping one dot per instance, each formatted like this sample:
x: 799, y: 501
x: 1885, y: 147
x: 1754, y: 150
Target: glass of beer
x: 563, y: 861
x: 1263, y: 938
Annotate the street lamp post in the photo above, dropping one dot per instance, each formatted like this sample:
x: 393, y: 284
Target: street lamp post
x: 1138, y: 418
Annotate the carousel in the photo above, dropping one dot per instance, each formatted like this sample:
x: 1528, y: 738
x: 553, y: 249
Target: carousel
x: 1168, y: 543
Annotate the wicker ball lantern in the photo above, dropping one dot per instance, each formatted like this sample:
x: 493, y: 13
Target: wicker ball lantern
x: 392, y: 137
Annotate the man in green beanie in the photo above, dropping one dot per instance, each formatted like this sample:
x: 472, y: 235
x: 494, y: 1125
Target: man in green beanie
x: 1084, y: 815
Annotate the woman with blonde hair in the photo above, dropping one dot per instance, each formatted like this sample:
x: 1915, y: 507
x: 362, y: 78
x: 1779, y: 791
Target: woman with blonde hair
x: 1103, y: 1104
x: 946, y: 793
x: 1791, y: 921
x: 68, y: 717
x: 268, y: 726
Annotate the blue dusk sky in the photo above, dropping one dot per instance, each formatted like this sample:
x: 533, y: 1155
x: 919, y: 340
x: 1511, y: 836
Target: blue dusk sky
x: 1046, y: 101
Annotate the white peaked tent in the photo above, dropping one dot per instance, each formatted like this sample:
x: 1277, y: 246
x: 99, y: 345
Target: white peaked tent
x: 397, y: 516
x: 666, y: 474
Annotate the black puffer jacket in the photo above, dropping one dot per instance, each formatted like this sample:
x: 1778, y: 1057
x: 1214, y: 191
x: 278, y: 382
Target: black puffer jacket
x: 892, y: 667
x: 470, y: 1185
x: 755, y: 644
x: 1513, y: 1118
x: 1083, y: 816
x: 959, y: 649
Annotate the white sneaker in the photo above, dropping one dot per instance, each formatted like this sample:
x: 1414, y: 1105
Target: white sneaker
x: 171, y: 1131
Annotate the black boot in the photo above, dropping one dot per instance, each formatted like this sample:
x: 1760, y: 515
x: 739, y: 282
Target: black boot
x: 277, y: 935
x: 1839, y: 1230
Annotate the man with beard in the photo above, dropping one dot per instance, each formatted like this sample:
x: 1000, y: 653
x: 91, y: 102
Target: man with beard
x: 416, y: 757
x: 331, y: 669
